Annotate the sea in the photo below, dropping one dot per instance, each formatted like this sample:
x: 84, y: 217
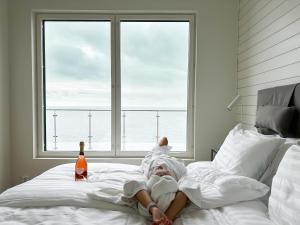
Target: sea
x: 140, y: 128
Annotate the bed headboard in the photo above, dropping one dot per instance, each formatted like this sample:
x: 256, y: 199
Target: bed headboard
x: 288, y: 95
x: 295, y: 101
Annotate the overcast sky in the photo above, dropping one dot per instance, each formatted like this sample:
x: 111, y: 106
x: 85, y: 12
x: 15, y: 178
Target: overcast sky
x: 154, y: 64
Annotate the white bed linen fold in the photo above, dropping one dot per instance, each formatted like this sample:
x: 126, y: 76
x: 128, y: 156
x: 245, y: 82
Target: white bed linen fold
x: 205, y: 187
x: 64, y: 215
x: 208, y: 187
x: 246, y: 213
x: 57, y: 187
x: 45, y: 199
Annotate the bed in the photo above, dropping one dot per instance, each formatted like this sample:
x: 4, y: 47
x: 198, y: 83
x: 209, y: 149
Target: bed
x: 55, y: 198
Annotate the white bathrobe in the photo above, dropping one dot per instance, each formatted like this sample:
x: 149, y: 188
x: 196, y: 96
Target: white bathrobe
x: 161, y: 189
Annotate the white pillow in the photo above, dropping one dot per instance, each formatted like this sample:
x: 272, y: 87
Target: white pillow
x: 198, y: 164
x: 270, y: 172
x: 246, y: 153
x: 284, y: 202
x: 212, y: 188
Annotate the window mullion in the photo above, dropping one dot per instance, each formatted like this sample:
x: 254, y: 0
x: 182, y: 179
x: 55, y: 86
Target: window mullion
x: 191, y: 88
x: 117, y: 86
x: 113, y: 87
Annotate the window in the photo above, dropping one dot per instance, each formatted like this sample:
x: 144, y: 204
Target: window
x: 117, y: 82
x: 77, y: 84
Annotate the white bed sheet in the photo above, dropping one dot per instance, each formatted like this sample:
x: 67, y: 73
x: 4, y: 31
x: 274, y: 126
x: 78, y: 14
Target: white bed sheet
x: 55, y: 198
x: 246, y: 213
x: 67, y: 216
x: 57, y: 187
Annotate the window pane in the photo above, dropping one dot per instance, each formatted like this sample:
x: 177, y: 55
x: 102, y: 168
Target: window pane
x: 154, y: 78
x: 77, y: 84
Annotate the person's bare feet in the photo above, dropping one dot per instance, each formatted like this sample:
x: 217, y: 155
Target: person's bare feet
x: 159, y: 218
x: 163, y: 221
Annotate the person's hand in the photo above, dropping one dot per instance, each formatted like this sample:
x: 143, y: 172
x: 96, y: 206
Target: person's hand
x: 159, y: 218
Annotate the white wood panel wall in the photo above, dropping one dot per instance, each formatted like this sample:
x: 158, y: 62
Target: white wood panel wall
x: 268, y: 50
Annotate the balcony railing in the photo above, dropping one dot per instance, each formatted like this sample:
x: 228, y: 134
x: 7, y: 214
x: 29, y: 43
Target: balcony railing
x: 89, y: 113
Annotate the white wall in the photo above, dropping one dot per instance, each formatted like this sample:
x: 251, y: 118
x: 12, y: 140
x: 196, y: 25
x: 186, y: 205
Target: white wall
x: 269, y: 49
x: 215, y: 73
x: 4, y: 99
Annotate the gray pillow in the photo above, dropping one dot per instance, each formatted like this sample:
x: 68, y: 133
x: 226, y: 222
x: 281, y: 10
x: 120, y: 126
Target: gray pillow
x: 265, y: 131
x: 272, y: 118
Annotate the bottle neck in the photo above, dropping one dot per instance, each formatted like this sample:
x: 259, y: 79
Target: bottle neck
x: 81, y: 147
x: 81, y: 152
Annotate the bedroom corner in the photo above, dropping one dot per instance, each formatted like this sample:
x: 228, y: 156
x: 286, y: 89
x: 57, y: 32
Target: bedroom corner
x: 5, y: 163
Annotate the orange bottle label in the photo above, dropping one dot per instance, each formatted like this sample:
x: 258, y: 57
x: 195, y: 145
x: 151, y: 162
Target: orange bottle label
x: 81, y: 168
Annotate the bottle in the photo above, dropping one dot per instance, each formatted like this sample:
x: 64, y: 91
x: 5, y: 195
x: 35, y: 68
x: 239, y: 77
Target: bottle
x: 81, y: 164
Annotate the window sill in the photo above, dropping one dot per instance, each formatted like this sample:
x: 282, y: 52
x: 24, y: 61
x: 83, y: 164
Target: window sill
x: 125, y: 160
x: 105, y: 155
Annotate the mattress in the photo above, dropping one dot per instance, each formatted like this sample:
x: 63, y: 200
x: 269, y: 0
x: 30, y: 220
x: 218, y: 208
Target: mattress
x: 55, y: 198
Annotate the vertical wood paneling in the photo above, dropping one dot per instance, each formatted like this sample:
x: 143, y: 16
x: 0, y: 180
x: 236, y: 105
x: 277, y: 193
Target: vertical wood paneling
x: 269, y: 50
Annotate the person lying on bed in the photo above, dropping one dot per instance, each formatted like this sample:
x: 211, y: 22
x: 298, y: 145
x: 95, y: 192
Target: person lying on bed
x: 159, y: 196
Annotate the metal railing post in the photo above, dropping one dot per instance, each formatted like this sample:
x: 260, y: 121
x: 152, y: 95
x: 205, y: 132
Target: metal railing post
x: 90, y: 130
x: 54, y: 126
x: 157, y: 126
x: 124, y: 130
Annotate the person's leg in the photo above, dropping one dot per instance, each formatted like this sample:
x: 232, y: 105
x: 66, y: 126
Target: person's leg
x: 144, y: 198
x: 176, y: 205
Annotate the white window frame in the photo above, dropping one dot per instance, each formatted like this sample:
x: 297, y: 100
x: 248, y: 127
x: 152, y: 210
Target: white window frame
x: 115, y: 18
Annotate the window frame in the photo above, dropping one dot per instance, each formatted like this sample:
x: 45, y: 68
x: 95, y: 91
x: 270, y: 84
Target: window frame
x: 115, y: 18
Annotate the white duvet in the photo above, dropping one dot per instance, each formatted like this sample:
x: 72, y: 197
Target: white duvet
x: 208, y: 187
x: 57, y: 187
x: 205, y: 186
x: 55, y: 198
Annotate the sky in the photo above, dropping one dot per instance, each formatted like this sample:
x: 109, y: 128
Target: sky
x: 154, y: 64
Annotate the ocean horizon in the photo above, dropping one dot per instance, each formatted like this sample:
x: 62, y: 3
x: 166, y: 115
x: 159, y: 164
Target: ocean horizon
x: 67, y: 125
